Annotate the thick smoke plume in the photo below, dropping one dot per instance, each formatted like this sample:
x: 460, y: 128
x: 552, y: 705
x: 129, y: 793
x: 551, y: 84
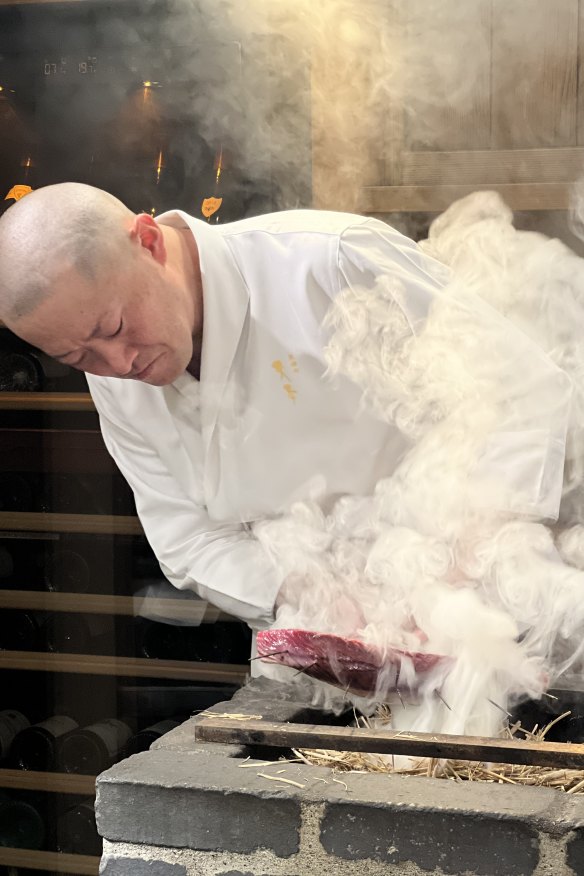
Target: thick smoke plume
x: 449, y: 556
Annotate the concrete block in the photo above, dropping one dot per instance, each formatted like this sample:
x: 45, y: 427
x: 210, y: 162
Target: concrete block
x: 194, y: 801
x: 477, y: 843
x: 575, y: 853
x: 140, y: 867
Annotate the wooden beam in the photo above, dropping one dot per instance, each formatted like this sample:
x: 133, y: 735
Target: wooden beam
x: 192, y: 610
x: 243, y: 731
x: 56, y: 783
x: 434, y: 199
x: 130, y: 667
x: 347, y: 113
x: 46, y: 401
x: 534, y: 65
x: 492, y: 167
x: 57, y: 862
x: 105, y: 524
x: 42, y: 2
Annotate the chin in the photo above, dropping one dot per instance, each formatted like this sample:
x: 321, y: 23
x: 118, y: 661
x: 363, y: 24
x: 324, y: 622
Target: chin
x: 167, y: 375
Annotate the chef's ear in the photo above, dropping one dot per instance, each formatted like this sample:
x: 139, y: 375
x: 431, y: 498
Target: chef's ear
x: 148, y: 234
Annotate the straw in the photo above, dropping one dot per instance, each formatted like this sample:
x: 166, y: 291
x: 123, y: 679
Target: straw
x: 569, y: 780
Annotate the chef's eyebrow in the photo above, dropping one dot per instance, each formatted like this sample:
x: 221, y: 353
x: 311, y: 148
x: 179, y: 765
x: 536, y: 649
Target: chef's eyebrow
x: 96, y: 331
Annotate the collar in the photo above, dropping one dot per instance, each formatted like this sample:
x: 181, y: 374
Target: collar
x: 225, y: 307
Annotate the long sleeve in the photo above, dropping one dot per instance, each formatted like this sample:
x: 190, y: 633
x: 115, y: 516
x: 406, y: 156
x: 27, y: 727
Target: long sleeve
x: 453, y: 351
x: 223, y: 563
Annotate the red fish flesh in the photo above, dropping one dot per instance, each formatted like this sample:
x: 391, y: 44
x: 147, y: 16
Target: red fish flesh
x: 347, y: 663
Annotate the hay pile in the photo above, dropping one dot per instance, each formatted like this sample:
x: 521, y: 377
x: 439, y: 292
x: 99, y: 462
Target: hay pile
x: 569, y: 780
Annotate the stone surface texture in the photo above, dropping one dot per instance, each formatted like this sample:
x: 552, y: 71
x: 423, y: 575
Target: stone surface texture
x: 214, y: 810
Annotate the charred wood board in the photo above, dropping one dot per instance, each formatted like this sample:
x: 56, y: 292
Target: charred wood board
x: 251, y: 731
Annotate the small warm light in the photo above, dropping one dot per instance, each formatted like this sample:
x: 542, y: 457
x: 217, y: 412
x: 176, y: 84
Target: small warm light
x: 147, y: 84
x: 219, y: 165
x: 1, y: 88
x: 159, y: 166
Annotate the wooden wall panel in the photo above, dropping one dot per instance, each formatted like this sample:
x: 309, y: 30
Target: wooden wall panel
x: 447, y: 73
x: 350, y: 70
x: 492, y: 167
x: 580, y: 62
x: 534, y: 75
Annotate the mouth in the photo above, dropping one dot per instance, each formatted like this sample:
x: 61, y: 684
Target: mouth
x: 146, y: 372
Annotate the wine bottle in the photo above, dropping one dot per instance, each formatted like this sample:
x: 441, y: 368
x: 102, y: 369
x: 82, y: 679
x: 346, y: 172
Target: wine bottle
x: 6, y: 564
x: 143, y: 739
x: 90, y: 750
x: 21, y: 826
x: 219, y: 642
x: 67, y: 634
x: 71, y: 494
x: 36, y: 747
x: 160, y: 641
x: 76, y: 830
x: 11, y: 723
x: 19, y: 372
x: 21, y: 630
x: 16, y: 492
x: 67, y: 571
x: 22, y: 561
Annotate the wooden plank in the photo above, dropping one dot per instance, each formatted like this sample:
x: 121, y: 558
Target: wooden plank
x: 104, y: 524
x: 132, y: 667
x: 187, y: 610
x: 46, y: 401
x: 392, y: 112
x: 348, y: 68
x: 447, y: 69
x: 434, y: 199
x: 243, y: 731
x: 490, y: 167
x: 535, y: 65
x: 580, y: 101
x: 45, y: 2
x: 56, y: 862
x: 57, y: 783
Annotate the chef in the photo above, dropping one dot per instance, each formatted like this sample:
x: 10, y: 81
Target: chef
x: 204, y: 351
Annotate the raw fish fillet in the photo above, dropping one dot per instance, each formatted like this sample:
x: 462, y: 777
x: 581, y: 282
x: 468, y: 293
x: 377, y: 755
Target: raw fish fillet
x: 347, y: 663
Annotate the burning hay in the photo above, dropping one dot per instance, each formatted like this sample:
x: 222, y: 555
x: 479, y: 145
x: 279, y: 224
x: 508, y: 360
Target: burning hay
x: 569, y: 780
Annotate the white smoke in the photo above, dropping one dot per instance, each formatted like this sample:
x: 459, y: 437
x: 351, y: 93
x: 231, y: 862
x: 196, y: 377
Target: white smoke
x: 446, y: 557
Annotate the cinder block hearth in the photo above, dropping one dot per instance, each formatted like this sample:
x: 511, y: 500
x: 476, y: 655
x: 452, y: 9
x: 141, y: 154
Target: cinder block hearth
x: 187, y: 808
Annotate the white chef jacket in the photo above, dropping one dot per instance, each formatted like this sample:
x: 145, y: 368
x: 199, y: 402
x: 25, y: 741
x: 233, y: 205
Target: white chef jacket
x: 265, y: 426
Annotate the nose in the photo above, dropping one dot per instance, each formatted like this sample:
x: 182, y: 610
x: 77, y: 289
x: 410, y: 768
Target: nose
x: 119, y: 357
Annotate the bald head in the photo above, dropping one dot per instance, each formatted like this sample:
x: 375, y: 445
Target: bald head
x: 53, y: 230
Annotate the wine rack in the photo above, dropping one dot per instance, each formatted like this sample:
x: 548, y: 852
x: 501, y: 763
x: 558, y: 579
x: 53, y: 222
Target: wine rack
x: 57, y: 434
x: 89, y: 523
x: 50, y: 401
x: 78, y: 865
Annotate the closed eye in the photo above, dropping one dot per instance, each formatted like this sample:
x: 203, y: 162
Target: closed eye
x: 118, y: 330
